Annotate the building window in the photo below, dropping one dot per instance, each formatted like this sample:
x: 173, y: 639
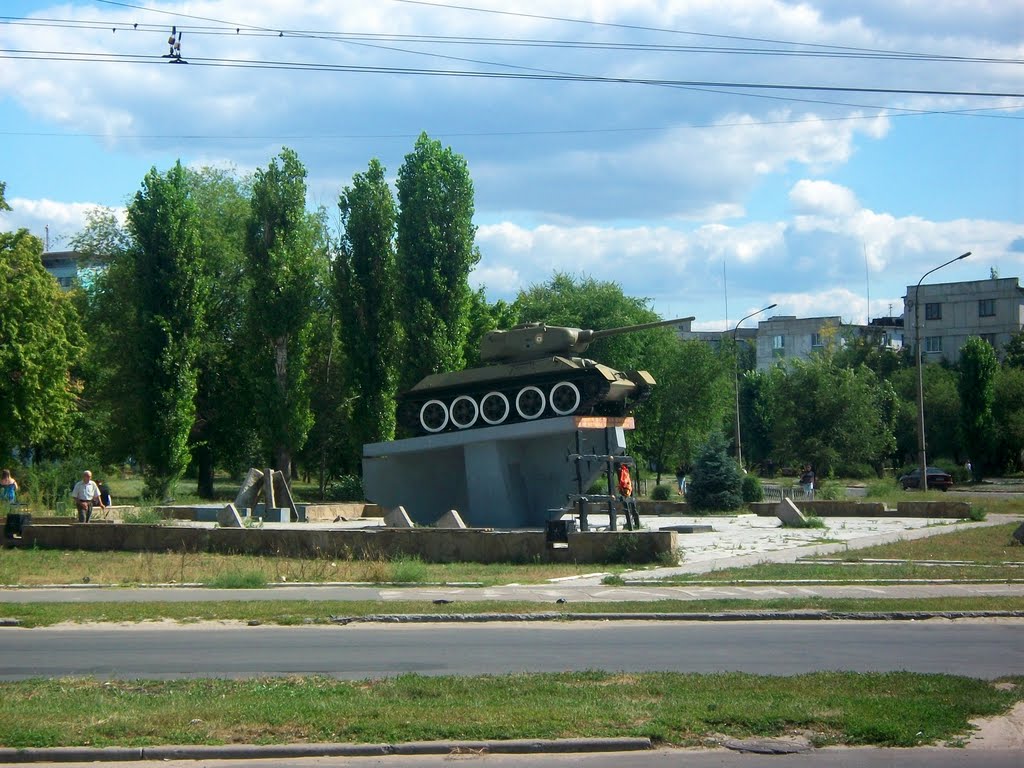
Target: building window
x: 932, y: 343
x: 816, y: 340
x: 990, y: 338
x: 986, y: 307
x: 779, y: 345
x: 933, y: 310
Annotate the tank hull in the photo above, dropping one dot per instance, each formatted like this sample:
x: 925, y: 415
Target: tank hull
x: 516, y: 392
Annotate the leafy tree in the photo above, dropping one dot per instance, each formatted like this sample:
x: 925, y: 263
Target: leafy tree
x: 331, y: 448
x: 837, y: 419
x: 588, y: 303
x: 1013, y: 354
x: 977, y: 395
x: 484, y: 317
x: 286, y: 265
x: 715, y: 484
x: 942, y: 412
x: 169, y: 295
x: 687, y: 405
x: 436, y: 252
x: 222, y: 432
x: 3, y: 202
x: 113, y: 393
x: 1008, y: 415
x: 366, y: 281
x: 869, y: 351
x: 41, y: 337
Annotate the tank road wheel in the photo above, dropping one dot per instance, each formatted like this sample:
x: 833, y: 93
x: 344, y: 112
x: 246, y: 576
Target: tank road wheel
x: 464, y: 411
x: 564, y: 398
x: 494, y: 408
x: 433, y: 416
x: 530, y: 402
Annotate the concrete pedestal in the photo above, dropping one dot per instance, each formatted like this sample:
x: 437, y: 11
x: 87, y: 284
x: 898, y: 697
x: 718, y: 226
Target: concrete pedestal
x: 507, y: 476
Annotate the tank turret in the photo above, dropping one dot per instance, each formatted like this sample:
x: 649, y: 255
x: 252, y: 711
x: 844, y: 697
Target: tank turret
x: 534, y: 371
x: 534, y: 340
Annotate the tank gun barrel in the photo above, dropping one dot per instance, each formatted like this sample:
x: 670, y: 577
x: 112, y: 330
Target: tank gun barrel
x: 595, y: 335
x: 537, y: 340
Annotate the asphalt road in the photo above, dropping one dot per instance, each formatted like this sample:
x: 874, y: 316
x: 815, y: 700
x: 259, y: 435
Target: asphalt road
x: 983, y: 649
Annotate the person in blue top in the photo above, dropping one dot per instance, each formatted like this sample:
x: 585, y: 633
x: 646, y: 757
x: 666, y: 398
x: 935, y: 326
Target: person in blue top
x: 8, y: 487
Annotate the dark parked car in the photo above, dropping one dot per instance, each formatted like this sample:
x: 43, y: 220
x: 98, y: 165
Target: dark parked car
x: 937, y: 479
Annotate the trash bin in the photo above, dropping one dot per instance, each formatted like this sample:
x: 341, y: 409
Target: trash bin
x: 14, y: 524
x: 558, y: 531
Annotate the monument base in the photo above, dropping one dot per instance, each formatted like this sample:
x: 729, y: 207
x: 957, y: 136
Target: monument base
x: 509, y: 476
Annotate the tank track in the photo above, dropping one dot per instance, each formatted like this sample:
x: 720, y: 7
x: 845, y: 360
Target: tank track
x: 451, y: 409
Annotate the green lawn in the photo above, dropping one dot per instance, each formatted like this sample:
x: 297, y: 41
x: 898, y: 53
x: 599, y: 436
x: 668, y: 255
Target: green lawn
x: 990, y: 553
x: 899, y: 709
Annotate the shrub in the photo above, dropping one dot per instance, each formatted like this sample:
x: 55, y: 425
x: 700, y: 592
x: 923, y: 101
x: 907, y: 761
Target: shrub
x: 715, y: 484
x: 345, y: 488
x: 236, y: 579
x: 661, y: 493
x: 810, y: 521
x: 881, y: 488
x: 408, y: 570
x: 48, y: 484
x: 829, y: 490
x: 143, y: 516
x: 751, y: 489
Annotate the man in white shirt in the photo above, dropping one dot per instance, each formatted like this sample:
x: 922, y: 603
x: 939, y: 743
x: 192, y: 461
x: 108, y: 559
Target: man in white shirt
x: 86, y: 493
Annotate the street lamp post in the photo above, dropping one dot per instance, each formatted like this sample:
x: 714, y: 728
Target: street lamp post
x: 921, y: 454
x: 736, y: 379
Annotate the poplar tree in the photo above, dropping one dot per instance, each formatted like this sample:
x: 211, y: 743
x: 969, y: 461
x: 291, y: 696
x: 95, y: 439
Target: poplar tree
x: 286, y: 264
x: 169, y: 294
x: 436, y: 252
x: 978, y: 366
x: 365, y: 280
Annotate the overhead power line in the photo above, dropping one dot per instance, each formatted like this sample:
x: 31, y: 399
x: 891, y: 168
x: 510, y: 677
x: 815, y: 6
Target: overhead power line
x: 105, y: 57
x: 811, y: 51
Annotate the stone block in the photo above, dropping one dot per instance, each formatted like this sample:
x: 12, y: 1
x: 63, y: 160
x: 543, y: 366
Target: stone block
x: 229, y: 517
x: 450, y: 519
x: 788, y: 513
x: 398, y: 518
x: 1019, y: 533
x: 250, y: 489
x: 283, y: 494
x: 268, y: 488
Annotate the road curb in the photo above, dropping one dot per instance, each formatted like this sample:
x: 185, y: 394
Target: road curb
x: 808, y: 615
x: 282, y: 751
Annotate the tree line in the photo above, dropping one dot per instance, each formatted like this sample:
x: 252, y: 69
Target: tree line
x: 224, y: 325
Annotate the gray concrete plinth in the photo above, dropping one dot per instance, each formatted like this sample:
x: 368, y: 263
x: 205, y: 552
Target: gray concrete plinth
x: 499, y: 477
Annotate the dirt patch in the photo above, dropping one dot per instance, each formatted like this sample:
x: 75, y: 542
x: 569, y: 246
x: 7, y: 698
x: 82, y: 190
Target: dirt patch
x: 1004, y: 732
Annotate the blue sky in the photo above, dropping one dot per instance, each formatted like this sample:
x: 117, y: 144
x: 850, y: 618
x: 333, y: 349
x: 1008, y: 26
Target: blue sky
x: 712, y: 201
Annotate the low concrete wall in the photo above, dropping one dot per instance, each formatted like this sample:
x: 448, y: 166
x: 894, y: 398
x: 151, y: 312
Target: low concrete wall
x: 939, y: 509
x: 954, y: 510
x: 430, y: 545
x: 826, y: 508
x: 671, y: 508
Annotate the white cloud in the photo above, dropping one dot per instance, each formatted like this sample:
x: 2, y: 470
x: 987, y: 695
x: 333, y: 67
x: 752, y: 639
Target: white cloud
x: 63, y: 219
x: 822, y: 198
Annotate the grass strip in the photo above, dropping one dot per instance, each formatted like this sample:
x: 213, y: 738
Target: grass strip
x: 893, y: 709
x: 295, y: 612
x: 991, y: 546
x: 30, y: 567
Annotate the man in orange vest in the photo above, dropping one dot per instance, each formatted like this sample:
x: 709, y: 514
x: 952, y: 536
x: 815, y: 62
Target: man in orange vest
x: 625, y: 481
x: 626, y: 493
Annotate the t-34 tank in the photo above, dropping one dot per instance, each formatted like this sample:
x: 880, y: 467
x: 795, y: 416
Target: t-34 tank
x: 534, y: 371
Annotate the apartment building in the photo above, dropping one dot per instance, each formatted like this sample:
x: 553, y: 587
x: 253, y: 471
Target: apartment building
x: 951, y: 313
x: 63, y: 265
x: 788, y: 337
